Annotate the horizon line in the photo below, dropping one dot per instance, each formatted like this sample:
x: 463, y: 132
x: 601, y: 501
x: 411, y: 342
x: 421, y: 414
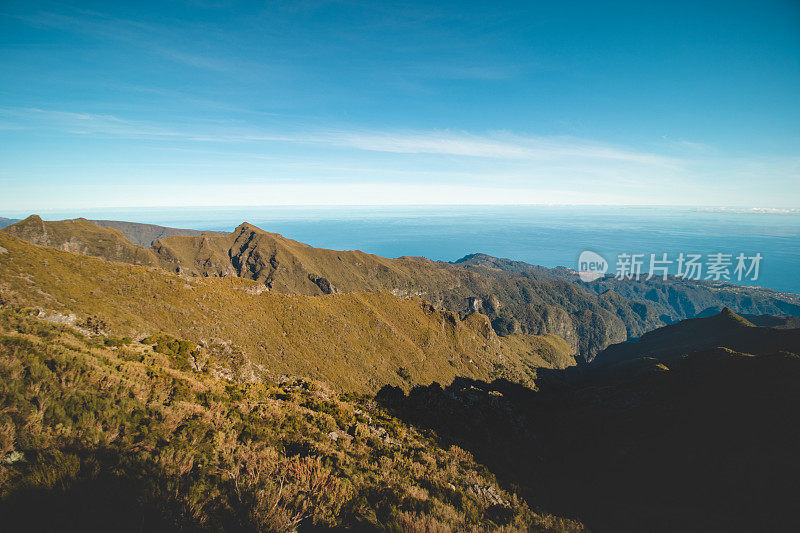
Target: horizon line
x: 747, y: 208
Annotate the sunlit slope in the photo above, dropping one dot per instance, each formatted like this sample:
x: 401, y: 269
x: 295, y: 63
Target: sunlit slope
x: 81, y: 236
x: 288, y: 266
x: 522, y: 303
x: 357, y: 341
x: 122, y: 438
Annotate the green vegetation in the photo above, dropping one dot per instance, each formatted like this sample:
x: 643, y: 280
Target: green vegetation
x: 183, y: 355
x: 93, y: 324
x: 112, y: 438
x: 116, y: 342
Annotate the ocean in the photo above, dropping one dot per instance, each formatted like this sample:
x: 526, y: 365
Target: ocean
x: 543, y: 235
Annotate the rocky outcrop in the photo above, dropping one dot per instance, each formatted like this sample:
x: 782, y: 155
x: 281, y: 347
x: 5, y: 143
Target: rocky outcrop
x: 323, y: 284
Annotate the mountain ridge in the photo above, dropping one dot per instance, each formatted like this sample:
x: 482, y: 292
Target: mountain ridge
x: 355, y: 341
x: 146, y: 234
x: 726, y: 329
x: 516, y: 296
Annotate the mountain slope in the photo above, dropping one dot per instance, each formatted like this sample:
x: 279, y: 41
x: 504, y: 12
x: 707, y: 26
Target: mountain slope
x: 144, y: 234
x: 355, y: 341
x: 7, y: 221
x: 83, y: 237
x: 525, y: 303
x: 517, y: 297
x: 656, y: 299
x: 725, y: 329
x: 99, y: 438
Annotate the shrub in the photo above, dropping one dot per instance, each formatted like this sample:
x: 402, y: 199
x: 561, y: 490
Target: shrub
x: 404, y: 373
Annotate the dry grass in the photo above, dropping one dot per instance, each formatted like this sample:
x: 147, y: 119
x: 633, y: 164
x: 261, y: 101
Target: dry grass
x: 355, y: 341
x: 82, y: 422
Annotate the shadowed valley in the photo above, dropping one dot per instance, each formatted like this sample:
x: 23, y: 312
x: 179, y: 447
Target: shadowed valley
x: 691, y: 431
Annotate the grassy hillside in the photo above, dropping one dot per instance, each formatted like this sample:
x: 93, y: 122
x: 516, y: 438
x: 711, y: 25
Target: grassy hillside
x: 355, y: 341
x: 516, y: 297
x: 108, y: 435
x: 82, y: 237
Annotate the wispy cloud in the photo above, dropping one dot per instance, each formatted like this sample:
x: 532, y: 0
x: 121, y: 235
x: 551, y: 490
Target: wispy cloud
x: 79, y: 123
x: 500, y: 145
x: 688, y: 146
x: 413, y: 142
x: 302, y: 154
x: 160, y: 40
x: 341, y: 165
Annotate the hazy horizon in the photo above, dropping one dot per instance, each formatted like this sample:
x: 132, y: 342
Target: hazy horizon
x: 74, y: 212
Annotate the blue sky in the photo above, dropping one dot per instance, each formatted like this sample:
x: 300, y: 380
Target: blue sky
x: 106, y: 104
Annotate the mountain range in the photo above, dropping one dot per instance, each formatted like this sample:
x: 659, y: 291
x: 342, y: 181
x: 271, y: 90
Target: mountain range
x: 357, y: 341
x: 166, y: 379
x: 517, y: 297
